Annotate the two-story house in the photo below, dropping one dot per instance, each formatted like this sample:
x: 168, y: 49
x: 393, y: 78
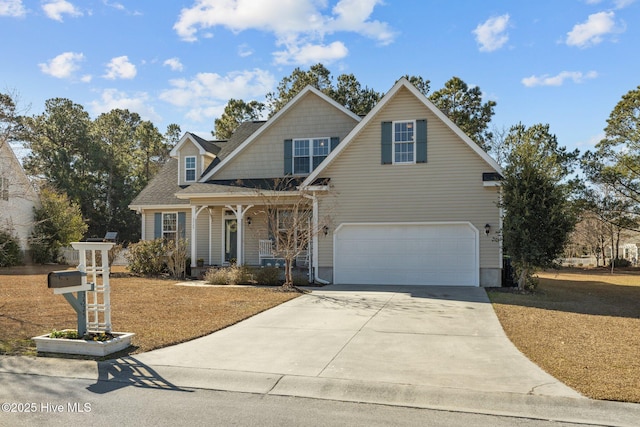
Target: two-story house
x: 411, y: 198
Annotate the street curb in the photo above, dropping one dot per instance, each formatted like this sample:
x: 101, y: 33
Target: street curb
x: 129, y: 371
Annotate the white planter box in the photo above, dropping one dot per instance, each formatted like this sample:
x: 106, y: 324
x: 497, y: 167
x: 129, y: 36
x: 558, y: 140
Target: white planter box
x: 121, y: 340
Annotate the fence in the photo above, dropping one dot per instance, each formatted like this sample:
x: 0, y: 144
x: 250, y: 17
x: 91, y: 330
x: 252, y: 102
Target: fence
x: 72, y: 257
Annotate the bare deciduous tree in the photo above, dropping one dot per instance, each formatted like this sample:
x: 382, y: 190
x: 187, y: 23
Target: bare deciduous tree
x: 291, y: 223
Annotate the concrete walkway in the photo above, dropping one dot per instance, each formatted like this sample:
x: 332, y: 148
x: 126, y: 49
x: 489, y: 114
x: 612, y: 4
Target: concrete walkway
x: 426, y: 347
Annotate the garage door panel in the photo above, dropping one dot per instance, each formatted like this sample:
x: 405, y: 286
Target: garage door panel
x: 406, y: 254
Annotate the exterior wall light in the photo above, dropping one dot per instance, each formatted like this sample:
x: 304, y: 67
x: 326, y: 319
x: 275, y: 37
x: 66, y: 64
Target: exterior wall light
x: 487, y: 229
x: 248, y: 220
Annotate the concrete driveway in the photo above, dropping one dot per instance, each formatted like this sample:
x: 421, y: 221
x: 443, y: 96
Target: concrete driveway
x: 444, y: 338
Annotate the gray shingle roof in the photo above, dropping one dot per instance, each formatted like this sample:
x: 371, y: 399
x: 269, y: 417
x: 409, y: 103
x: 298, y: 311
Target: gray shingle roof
x: 162, y: 188
x: 244, y: 131
x: 212, y: 147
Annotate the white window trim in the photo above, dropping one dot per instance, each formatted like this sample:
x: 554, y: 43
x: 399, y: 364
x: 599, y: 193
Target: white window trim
x: 165, y: 232
x: 194, y: 168
x: 394, y: 142
x: 311, y: 156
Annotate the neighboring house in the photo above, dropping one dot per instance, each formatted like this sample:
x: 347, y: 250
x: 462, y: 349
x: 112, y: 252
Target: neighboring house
x: 411, y: 198
x: 17, y: 198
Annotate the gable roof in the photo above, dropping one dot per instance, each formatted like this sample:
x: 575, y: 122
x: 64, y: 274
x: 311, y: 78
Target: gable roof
x: 243, y: 132
x: 204, y: 146
x: 11, y: 166
x: 161, y: 190
x: 273, y: 119
x: 402, y: 83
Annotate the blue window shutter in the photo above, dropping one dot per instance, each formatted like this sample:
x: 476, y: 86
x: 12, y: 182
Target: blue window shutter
x: 182, y: 224
x: 288, y: 156
x: 157, y: 225
x: 421, y: 141
x: 334, y: 142
x: 387, y: 143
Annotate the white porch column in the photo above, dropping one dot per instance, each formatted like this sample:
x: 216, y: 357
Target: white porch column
x: 194, y: 243
x: 143, y: 224
x: 239, y: 211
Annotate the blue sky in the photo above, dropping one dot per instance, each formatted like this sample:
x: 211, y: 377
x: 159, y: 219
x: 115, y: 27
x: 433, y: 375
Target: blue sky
x: 566, y: 63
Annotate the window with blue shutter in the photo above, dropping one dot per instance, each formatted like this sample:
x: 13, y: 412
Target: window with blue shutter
x: 421, y: 141
x: 303, y: 155
x: 387, y: 143
x: 182, y: 224
x: 288, y: 156
x: 157, y: 225
x: 404, y: 142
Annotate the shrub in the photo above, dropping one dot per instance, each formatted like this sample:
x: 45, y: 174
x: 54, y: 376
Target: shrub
x: 216, y: 276
x: 269, y: 276
x: 147, y: 257
x: 233, y: 275
x: 10, y: 253
x: 621, y: 262
x: 176, y: 252
x: 300, y: 279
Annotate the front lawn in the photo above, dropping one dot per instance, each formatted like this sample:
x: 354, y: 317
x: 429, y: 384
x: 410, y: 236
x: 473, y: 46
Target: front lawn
x: 582, y: 327
x: 156, y: 310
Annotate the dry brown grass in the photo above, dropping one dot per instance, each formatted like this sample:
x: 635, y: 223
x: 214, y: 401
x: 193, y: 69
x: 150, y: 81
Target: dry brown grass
x: 583, y: 327
x: 156, y: 310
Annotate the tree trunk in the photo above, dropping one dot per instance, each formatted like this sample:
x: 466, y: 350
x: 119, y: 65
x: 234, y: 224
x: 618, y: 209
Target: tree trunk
x: 288, y: 273
x: 522, y: 280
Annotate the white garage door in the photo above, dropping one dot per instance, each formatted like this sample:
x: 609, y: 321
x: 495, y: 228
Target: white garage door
x: 443, y: 254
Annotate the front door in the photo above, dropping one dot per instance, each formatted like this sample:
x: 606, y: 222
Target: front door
x: 230, y: 240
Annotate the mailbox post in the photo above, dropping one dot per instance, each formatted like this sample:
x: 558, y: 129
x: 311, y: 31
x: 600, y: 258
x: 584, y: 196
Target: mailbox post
x: 67, y: 282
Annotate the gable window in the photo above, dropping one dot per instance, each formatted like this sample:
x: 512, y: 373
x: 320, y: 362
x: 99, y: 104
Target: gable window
x: 403, y: 142
x: 190, y: 168
x: 4, y: 188
x: 309, y: 153
x: 169, y: 226
x: 303, y: 155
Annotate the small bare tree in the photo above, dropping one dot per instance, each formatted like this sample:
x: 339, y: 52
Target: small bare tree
x: 290, y: 221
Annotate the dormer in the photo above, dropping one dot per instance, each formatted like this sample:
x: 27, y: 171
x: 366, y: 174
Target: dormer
x: 194, y: 155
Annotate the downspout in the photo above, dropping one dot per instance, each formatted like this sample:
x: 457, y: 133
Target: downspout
x: 314, y: 251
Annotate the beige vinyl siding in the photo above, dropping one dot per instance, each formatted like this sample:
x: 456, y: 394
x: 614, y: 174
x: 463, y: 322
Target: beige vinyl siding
x: 149, y: 224
x: 447, y: 188
x: 264, y: 158
x: 202, y: 234
x: 187, y: 150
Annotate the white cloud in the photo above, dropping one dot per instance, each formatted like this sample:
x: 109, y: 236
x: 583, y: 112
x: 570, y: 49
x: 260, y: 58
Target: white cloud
x: 558, y: 80
x: 56, y: 8
x: 12, y: 8
x: 206, y: 94
x: 115, y: 5
x: 174, y: 64
x: 492, y: 34
x: 62, y: 66
x: 120, y: 68
x: 591, y: 143
x: 621, y: 4
x: 591, y: 32
x: 244, y: 50
x: 113, y: 98
x: 311, y: 54
x: 86, y: 78
x: 298, y: 25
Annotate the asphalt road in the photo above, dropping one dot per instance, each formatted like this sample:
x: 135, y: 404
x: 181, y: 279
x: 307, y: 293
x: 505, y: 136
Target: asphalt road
x: 34, y: 400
